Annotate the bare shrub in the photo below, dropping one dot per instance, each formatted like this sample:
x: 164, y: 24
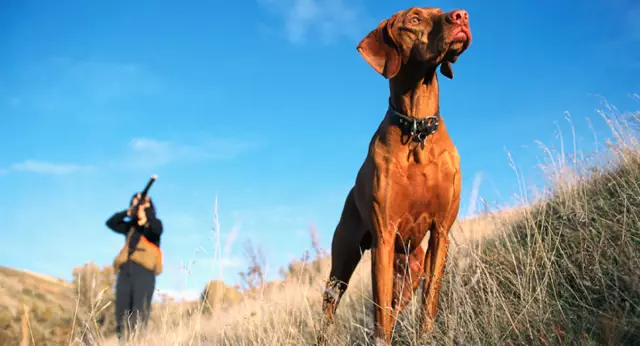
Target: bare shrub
x: 217, y: 296
x: 94, y: 286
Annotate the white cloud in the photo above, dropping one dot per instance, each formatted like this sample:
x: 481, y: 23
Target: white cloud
x: 44, y: 167
x: 229, y: 262
x: 276, y: 214
x: 98, y: 82
x: 75, y: 88
x: 634, y: 21
x: 231, y: 238
x: 146, y: 152
x: 178, y: 295
x: 625, y: 32
x: 212, y: 265
x: 302, y: 233
x: 15, y: 102
x: 629, y: 14
x: 474, y: 194
x: 329, y: 19
x: 177, y: 219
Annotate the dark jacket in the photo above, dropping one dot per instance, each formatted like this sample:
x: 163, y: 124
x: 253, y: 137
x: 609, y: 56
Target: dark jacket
x: 118, y: 224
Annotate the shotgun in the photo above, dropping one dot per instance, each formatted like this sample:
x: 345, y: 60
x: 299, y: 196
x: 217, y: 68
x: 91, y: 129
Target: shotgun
x: 143, y: 194
x: 135, y: 236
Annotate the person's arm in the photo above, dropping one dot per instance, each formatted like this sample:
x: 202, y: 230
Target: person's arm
x: 117, y: 224
x: 155, y: 225
x: 153, y: 229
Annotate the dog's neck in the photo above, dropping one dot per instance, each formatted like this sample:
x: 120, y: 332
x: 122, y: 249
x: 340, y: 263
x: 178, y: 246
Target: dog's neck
x: 415, y: 94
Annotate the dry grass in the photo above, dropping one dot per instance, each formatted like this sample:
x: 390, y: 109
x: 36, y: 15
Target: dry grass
x: 564, y: 270
x: 48, y: 303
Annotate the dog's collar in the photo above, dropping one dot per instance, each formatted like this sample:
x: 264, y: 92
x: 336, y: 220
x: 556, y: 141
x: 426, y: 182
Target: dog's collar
x: 417, y: 129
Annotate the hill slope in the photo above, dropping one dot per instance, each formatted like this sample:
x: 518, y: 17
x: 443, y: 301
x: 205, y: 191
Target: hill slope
x: 564, y: 271
x: 51, y: 303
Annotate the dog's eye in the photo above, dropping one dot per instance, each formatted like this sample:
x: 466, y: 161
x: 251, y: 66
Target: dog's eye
x: 415, y: 20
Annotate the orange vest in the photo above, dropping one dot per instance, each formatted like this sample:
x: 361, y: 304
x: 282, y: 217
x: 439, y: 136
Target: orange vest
x: 146, y: 254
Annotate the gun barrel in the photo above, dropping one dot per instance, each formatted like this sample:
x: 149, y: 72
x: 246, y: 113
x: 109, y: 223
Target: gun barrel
x: 148, y: 186
x: 143, y: 194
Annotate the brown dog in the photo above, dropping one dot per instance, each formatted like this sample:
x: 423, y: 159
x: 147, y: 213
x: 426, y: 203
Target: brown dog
x: 409, y: 184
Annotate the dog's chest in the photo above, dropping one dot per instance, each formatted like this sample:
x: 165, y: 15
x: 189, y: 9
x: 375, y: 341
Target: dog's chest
x: 420, y: 194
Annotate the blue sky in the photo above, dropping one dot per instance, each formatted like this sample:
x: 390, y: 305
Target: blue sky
x: 268, y: 106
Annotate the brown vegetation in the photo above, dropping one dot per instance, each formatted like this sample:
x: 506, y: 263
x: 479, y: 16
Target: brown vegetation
x: 45, y: 305
x: 564, y: 270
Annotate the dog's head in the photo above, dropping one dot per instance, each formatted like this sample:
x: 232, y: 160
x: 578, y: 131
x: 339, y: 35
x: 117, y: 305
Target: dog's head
x: 419, y: 36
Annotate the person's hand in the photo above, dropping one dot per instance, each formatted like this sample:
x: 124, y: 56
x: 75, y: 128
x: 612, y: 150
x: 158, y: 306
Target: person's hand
x: 134, y: 202
x: 142, y: 211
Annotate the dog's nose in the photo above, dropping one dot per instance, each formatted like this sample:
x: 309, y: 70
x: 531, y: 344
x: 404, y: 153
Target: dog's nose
x: 459, y: 17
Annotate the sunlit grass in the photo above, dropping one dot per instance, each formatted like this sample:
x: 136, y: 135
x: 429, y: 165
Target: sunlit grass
x: 562, y: 268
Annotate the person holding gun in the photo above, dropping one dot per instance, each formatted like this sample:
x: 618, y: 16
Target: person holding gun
x: 139, y: 261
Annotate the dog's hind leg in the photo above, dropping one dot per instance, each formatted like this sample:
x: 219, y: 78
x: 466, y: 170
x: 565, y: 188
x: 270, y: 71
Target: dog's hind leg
x: 346, y: 252
x: 408, y: 274
x: 349, y: 241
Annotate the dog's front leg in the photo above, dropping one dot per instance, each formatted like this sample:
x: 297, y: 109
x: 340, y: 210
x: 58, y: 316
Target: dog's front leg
x: 436, y: 259
x: 438, y: 251
x: 382, y: 258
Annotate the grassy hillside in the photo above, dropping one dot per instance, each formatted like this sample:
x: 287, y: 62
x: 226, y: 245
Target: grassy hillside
x: 52, y: 311
x: 564, y: 270
x: 50, y: 303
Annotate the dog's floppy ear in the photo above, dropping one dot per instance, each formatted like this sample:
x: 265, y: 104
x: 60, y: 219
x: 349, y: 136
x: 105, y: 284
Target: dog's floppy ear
x: 380, y: 51
x: 446, y: 69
